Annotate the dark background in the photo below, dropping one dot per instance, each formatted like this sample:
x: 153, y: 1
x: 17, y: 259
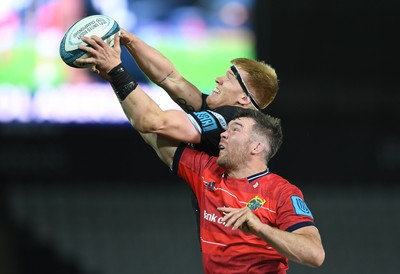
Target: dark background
x: 92, y: 199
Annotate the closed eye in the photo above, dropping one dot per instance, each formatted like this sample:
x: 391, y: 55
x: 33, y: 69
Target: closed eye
x: 229, y: 75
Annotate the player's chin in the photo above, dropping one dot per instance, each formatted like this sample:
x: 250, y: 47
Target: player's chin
x: 221, y: 160
x: 213, y: 101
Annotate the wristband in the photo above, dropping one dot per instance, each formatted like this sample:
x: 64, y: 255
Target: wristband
x: 122, y: 82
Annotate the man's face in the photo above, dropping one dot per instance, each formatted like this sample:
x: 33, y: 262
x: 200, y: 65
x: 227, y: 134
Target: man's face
x: 228, y: 91
x: 235, y: 143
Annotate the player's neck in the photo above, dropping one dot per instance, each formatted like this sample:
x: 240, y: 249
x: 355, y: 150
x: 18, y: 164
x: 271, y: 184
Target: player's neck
x: 247, y: 171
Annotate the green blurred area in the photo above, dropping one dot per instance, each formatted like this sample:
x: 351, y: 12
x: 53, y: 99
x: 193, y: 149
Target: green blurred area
x: 200, y: 62
x: 24, y: 66
x: 18, y: 65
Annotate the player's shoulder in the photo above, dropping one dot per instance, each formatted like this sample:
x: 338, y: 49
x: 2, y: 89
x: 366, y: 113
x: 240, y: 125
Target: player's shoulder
x: 227, y: 111
x: 275, y: 183
x: 221, y: 115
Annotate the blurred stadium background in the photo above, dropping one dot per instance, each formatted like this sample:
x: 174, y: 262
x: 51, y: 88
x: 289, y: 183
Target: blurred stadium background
x: 81, y: 193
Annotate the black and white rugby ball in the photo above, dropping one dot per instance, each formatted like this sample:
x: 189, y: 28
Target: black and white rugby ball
x: 100, y: 25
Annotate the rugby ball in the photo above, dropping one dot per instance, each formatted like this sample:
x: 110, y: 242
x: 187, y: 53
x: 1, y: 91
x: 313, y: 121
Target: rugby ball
x: 100, y: 25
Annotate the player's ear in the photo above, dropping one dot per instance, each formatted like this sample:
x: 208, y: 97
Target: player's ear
x: 244, y: 100
x: 257, y: 147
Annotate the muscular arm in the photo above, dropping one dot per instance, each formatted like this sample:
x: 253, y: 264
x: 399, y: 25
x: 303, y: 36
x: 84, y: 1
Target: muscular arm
x: 147, y: 117
x: 143, y: 113
x: 163, y: 146
x: 162, y: 72
x: 303, y: 245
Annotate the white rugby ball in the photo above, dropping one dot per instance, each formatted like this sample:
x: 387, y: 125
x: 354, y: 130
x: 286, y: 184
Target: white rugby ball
x: 100, y: 25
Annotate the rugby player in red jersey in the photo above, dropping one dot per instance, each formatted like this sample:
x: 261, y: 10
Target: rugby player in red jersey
x: 251, y: 220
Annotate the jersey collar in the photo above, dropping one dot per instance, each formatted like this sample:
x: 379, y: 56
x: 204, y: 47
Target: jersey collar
x: 252, y: 177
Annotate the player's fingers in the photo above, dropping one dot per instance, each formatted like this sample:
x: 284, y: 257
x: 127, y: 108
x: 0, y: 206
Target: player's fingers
x: 224, y: 209
x: 86, y: 49
x: 230, y: 218
x: 102, y: 73
x: 97, y: 42
x: 94, y: 42
x: 88, y: 60
x: 88, y: 41
x: 124, y: 38
x: 117, y: 45
x: 95, y: 70
x: 122, y: 33
x: 236, y: 218
x: 242, y: 220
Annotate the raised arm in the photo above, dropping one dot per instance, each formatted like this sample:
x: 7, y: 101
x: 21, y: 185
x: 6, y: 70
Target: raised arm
x: 303, y: 245
x: 163, y: 146
x: 143, y: 113
x: 162, y: 72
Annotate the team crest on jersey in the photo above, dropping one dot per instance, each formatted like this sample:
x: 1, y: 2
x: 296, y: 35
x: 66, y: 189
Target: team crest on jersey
x: 255, y: 203
x: 300, y: 207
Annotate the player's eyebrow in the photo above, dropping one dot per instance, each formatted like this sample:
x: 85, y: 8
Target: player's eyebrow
x: 236, y: 122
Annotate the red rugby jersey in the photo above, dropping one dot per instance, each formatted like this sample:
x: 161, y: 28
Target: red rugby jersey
x: 273, y: 199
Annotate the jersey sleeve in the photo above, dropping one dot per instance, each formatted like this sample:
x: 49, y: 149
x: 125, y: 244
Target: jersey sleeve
x: 210, y: 124
x: 293, y: 212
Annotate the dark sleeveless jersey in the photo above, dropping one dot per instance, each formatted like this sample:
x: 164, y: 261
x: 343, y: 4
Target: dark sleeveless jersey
x: 211, y: 123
